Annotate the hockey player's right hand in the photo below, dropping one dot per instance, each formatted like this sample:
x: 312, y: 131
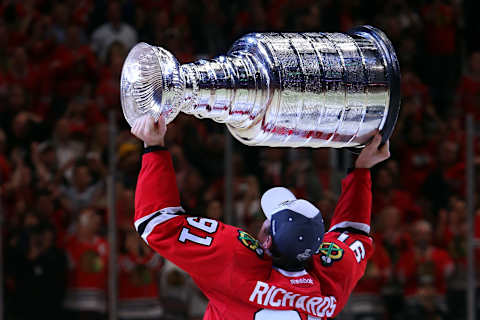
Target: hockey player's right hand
x: 151, y: 132
x: 372, y: 154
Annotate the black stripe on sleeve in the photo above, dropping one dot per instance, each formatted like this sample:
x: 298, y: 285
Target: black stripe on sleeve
x: 143, y: 225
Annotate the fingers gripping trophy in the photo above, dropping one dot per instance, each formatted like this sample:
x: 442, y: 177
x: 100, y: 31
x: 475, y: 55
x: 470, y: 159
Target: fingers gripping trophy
x: 276, y: 89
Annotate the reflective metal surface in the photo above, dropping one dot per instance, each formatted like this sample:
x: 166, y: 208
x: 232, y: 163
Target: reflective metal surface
x: 276, y: 89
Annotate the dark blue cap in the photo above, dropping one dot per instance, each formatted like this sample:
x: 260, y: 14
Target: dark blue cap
x: 296, y: 227
x: 295, y: 236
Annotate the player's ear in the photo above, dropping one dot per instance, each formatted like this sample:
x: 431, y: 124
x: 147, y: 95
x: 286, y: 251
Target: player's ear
x: 267, y: 242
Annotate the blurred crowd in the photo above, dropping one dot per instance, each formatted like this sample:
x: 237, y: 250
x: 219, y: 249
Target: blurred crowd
x: 60, y: 63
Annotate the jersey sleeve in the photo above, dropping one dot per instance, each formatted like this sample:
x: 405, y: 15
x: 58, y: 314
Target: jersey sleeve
x: 341, y: 263
x: 343, y: 255
x: 355, y: 204
x: 197, y: 245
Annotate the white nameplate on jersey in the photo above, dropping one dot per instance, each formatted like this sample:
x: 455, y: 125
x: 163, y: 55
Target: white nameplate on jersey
x: 266, y: 314
x: 272, y: 296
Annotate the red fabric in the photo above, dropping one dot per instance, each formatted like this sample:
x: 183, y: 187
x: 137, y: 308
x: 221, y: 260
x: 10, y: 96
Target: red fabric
x: 400, y: 241
x: 455, y: 175
x: 138, y: 276
x: 413, y: 268
x: 324, y: 178
x: 88, y: 263
x: 35, y: 79
x: 469, y: 95
x: 355, y: 203
x: 416, y: 164
x: 418, y: 92
x: 82, y: 11
x: 108, y: 90
x: 5, y: 169
x: 235, y: 274
x: 399, y: 199
x: 377, y: 272
x: 72, y: 69
x: 440, y: 29
x: 455, y: 240
x: 155, y: 4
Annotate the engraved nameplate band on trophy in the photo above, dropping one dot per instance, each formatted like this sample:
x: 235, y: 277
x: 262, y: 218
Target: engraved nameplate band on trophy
x: 276, y: 89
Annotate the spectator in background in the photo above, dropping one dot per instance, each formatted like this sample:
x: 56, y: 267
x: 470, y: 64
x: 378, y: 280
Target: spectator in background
x: 176, y: 292
x: 20, y: 189
x: 326, y: 204
x: 4, y: 163
x: 73, y: 66
x: 38, y: 271
x: 424, y: 270
x: 182, y: 298
x: 128, y: 162
x: 387, y: 193
x: 213, y: 22
x: 468, y: 92
x: 390, y: 234
x: 26, y: 128
x: 440, y: 21
x: 4, y: 35
x: 248, y: 203
x: 60, y: 21
x: 44, y: 160
x: 125, y: 206
x: 446, y: 178
x: 67, y: 148
x: 273, y: 167
x: 323, y: 176
x: 417, y: 104
x: 87, y: 275
x: 114, y: 30
x: 366, y: 299
x: 22, y: 72
x: 416, y: 157
x: 108, y: 90
x: 48, y: 208
x: 215, y: 210
x: 83, y: 191
x: 139, y: 271
x: 193, y: 190
x: 451, y: 234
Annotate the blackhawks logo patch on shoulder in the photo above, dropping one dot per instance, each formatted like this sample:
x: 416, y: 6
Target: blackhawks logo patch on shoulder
x: 250, y: 242
x: 329, y: 253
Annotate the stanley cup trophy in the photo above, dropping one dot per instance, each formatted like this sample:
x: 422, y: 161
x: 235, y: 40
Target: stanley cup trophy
x: 276, y: 89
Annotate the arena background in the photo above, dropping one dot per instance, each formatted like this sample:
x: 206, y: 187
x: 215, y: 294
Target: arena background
x: 66, y: 156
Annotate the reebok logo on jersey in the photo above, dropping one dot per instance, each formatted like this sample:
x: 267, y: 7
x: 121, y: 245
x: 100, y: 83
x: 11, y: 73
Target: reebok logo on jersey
x: 272, y: 296
x: 301, y: 281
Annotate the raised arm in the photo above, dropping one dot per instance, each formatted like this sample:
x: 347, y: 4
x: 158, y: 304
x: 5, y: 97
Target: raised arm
x: 156, y: 197
x: 355, y: 204
x: 200, y: 246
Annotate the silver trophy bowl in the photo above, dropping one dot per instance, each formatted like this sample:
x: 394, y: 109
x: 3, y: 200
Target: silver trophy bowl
x: 276, y: 89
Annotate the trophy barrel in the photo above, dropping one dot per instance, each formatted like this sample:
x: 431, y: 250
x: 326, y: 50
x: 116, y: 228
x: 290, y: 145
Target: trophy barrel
x: 392, y: 73
x: 326, y: 89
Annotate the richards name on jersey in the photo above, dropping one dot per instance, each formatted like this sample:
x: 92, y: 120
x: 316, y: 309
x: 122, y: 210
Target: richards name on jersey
x: 272, y: 296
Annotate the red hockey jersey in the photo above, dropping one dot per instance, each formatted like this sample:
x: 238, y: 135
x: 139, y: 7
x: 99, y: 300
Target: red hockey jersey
x: 87, y: 275
x: 231, y: 268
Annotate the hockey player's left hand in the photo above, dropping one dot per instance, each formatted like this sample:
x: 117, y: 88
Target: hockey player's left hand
x: 373, y: 153
x: 150, y: 132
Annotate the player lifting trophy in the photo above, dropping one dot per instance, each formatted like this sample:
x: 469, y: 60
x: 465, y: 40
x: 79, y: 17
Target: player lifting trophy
x: 277, y: 90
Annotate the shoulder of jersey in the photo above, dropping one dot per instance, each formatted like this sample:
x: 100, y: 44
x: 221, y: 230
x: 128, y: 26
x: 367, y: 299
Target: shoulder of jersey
x: 250, y: 243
